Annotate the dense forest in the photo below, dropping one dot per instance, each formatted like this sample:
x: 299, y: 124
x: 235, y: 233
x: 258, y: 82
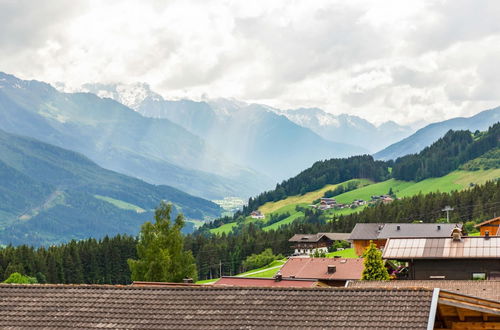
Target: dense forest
x: 89, y: 261
x: 446, y: 154
x: 105, y: 261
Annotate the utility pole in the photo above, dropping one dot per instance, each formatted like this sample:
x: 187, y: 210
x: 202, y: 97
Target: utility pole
x: 220, y: 268
x: 447, y: 209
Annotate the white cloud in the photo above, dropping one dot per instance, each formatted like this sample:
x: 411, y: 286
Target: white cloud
x: 406, y: 61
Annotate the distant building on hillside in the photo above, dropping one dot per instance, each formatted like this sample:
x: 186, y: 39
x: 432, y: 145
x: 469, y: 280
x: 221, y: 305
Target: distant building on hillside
x: 363, y: 233
x: 257, y: 215
x: 309, y: 243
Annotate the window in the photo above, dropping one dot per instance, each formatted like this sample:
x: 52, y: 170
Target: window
x: 478, y: 276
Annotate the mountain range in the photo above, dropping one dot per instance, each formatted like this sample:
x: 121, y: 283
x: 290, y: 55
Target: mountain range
x: 254, y: 135
x: 425, y: 136
x: 49, y: 195
x: 348, y: 129
x: 118, y: 138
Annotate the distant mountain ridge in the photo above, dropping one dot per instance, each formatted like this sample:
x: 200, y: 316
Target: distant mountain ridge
x: 424, y: 137
x: 118, y: 138
x: 50, y: 195
x: 250, y: 134
x: 348, y: 129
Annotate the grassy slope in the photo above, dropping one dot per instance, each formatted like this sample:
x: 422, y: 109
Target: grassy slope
x: 308, y: 198
x: 266, y: 271
x: 226, y: 228
x: 453, y: 181
x: 347, y: 253
x: 121, y: 204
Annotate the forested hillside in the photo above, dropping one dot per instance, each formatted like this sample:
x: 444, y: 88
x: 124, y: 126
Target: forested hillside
x: 321, y: 173
x: 442, y: 157
x: 104, y: 261
x: 118, y: 138
x: 51, y: 195
x: 446, y: 154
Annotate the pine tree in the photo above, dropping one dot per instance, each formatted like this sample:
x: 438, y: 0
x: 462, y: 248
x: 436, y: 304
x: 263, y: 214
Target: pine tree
x: 374, y: 265
x: 161, y: 250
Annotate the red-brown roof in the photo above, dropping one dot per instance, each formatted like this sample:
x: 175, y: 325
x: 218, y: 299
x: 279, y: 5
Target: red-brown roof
x: 265, y: 282
x: 210, y: 307
x: 317, y: 268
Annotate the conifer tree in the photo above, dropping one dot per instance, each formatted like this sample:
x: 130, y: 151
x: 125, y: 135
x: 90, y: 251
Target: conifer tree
x: 374, y: 265
x: 161, y: 250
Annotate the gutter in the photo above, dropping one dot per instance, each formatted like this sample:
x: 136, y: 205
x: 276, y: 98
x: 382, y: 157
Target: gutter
x: 433, y: 309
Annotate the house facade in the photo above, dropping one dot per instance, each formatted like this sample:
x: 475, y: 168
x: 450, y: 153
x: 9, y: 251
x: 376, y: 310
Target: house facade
x: 306, y: 244
x: 257, y: 215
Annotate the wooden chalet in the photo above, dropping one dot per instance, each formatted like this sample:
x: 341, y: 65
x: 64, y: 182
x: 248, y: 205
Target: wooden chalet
x: 489, y: 227
x: 257, y: 215
x: 49, y: 306
x: 379, y: 233
x: 306, y: 244
x: 452, y: 258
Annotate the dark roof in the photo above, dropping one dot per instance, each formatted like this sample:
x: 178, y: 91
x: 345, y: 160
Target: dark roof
x: 102, y: 306
x: 317, y: 268
x: 468, y: 247
x: 372, y: 231
x: 366, y: 231
x: 482, y: 289
x: 417, y: 230
x: 336, y: 236
x: 316, y: 237
x: 266, y: 282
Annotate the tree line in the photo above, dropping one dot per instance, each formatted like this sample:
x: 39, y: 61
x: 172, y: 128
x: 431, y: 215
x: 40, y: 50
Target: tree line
x: 104, y: 261
x: 446, y: 154
x: 89, y: 261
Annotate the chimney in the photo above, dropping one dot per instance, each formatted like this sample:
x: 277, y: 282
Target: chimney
x: 398, y: 227
x: 331, y: 269
x: 439, y: 227
x: 188, y: 280
x: 278, y: 277
x: 487, y: 234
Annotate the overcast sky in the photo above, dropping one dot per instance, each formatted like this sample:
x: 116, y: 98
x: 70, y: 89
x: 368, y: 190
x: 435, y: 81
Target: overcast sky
x: 406, y: 61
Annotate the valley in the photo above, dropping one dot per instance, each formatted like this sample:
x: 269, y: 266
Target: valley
x: 456, y: 180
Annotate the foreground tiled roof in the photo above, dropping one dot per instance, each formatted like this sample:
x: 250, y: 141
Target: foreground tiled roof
x: 67, y: 306
x: 265, y: 282
x: 481, y: 289
x: 438, y: 248
x: 317, y: 268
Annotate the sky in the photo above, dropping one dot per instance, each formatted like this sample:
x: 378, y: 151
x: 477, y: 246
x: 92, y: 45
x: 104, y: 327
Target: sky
x: 412, y: 62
